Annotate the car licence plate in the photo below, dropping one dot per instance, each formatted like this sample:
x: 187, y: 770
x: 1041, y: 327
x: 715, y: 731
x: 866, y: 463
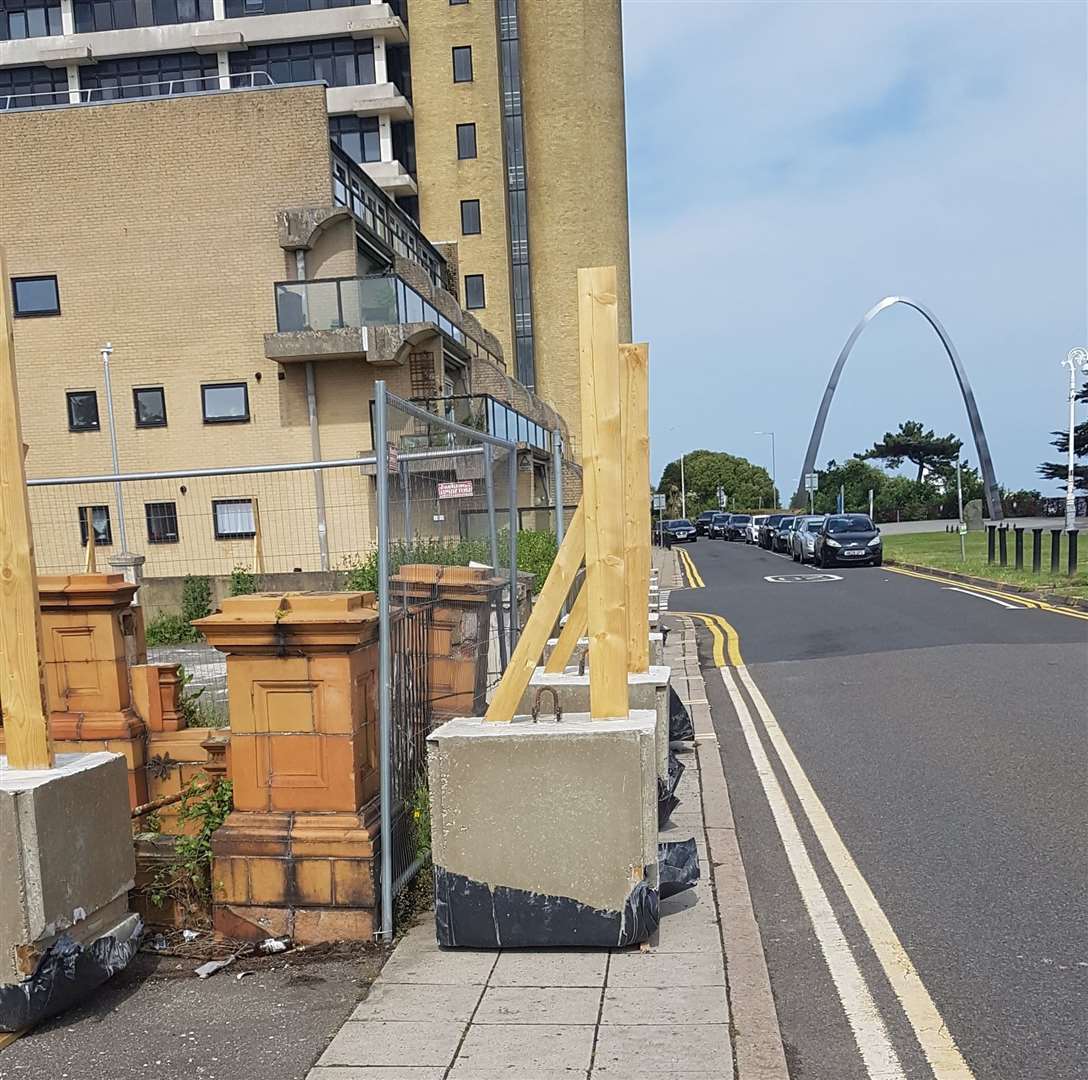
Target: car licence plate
x: 853, y: 553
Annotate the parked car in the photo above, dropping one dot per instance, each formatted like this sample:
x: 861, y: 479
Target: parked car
x: 678, y: 531
x: 803, y: 541
x: 702, y: 522
x: 768, y: 529
x: 738, y: 526
x: 849, y: 538
x: 781, y: 539
x: 718, y: 524
x: 754, y: 526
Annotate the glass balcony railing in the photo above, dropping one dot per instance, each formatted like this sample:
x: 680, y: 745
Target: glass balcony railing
x: 380, y: 300
x: 482, y: 412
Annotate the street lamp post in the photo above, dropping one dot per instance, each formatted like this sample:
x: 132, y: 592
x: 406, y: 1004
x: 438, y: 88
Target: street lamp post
x: 774, y: 482
x: 683, y: 490
x: 1077, y: 361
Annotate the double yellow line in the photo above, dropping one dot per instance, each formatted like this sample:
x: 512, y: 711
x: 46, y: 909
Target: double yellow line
x: 726, y: 638
x: 1013, y: 598
x: 695, y: 579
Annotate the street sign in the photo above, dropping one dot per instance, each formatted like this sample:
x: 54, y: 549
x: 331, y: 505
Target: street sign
x: 963, y: 528
x: 392, y: 458
x: 455, y: 489
x: 812, y: 481
x: 659, y: 502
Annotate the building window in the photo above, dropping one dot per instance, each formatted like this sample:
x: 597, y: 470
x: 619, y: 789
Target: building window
x: 127, y: 14
x: 35, y: 296
x: 235, y: 9
x: 82, y: 410
x: 470, y: 217
x: 33, y: 87
x: 455, y: 3
x: 162, y: 522
x: 474, y: 291
x: 336, y: 61
x: 150, y: 404
x: 466, y: 141
x: 357, y: 136
x: 28, y: 18
x: 100, y: 522
x: 233, y: 519
x: 225, y: 403
x: 462, y: 63
x: 150, y: 76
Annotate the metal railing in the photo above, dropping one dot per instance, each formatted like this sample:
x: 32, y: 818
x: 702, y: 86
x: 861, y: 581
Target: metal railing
x: 483, y: 412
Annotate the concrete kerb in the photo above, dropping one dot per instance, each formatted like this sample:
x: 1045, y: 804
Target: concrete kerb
x: 989, y: 583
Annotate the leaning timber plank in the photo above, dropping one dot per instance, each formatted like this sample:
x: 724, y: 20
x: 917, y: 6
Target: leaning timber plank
x: 534, y: 636
x: 8, y: 1037
x: 22, y: 691
x: 574, y: 628
x: 635, y: 365
x: 602, y: 480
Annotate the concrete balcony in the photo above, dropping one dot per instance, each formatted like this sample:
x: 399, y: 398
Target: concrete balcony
x: 391, y: 176
x: 379, y: 99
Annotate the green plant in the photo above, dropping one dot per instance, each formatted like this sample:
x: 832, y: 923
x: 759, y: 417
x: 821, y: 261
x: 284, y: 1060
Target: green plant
x: 419, y: 810
x: 170, y: 628
x: 196, y: 598
x: 243, y: 583
x: 197, y: 712
x: 187, y: 878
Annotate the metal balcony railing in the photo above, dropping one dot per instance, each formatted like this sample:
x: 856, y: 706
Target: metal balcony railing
x: 486, y: 413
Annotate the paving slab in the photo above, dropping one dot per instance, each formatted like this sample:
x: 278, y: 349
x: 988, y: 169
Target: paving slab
x: 352, y: 1072
x: 453, y: 967
x: 659, y: 1050
x: 393, y: 1043
x: 525, y: 1048
x: 675, y: 970
x: 539, y: 1005
x: 550, y: 967
x: 627, y: 1005
x: 418, y: 1001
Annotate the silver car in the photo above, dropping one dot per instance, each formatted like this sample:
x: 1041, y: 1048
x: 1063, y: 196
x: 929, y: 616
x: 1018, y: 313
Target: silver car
x: 803, y: 538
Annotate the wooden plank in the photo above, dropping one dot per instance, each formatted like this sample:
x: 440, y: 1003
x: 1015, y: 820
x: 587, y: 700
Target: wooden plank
x: 258, y: 546
x: 635, y: 371
x: 89, y: 565
x: 538, y: 627
x: 575, y: 627
x: 602, y: 480
x: 8, y: 1037
x: 22, y: 690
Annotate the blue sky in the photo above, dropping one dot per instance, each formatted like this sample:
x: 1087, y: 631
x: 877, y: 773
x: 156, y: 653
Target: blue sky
x: 791, y: 164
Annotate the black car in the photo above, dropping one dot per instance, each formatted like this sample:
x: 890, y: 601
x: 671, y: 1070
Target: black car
x: 678, y: 531
x: 848, y: 538
x: 783, y: 534
x: 768, y: 529
x: 702, y: 522
x: 718, y: 525
x: 738, y: 526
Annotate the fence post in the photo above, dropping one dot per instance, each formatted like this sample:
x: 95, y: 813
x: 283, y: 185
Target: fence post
x: 493, y: 542
x: 557, y: 479
x: 513, y: 554
x: 403, y: 468
x: 385, y: 704
x: 991, y: 532
x: 1055, y: 551
x: 1003, y: 545
x: 1072, y: 552
x: 1018, y: 534
x: 1036, y: 551
x: 315, y: 453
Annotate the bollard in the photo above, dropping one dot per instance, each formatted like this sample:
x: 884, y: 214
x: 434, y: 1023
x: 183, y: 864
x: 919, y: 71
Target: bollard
x: 1055, y: 551
x: 1072, y: 552
x: 991, y: 532
x: 1003, y: 545
x: 1018, y: 534
x: 1036, y: 551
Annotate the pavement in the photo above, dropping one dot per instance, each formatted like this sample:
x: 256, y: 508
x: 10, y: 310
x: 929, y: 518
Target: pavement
x: 659, y: 1011
x: 905, y: 758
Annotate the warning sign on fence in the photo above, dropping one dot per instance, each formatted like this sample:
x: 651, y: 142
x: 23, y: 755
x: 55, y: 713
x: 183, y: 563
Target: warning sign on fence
x: 455, y: 489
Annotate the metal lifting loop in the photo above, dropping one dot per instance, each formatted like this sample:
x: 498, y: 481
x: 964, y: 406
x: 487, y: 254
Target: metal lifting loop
x: 556, y: 707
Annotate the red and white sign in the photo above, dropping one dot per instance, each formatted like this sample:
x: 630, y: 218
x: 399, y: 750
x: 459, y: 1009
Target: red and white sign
x: 392, y: 458
x: 455, y: 489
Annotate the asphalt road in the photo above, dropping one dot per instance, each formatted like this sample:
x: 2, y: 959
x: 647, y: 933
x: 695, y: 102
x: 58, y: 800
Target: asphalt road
x: 947, y: 738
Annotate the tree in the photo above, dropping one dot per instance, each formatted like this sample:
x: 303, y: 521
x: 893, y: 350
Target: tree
x: 1052, y: 470
x: 856, y: 478
x: 911, y: 442
x: 748, y: 486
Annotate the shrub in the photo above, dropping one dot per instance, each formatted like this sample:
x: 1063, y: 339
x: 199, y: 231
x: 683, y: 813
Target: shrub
x: 170, y: 628
x: 198, y: 712
x: 196, y: 599
x: 243, y: 583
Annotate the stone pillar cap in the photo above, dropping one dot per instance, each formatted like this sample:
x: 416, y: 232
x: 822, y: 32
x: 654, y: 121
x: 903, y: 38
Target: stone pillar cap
x: 85, y: 591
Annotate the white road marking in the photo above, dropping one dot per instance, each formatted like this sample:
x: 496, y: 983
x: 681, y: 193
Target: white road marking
x: 933, y: 1035
x: 870, y: 1034
x: 979, y: 596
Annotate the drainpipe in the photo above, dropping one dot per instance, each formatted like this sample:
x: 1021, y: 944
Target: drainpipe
x: 315, y: 437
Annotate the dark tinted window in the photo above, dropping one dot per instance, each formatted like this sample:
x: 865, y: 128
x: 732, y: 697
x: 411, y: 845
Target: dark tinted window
x: 100, y: 522
x: 125, y: 14
x: 147, y: 76
x: 35, y: 296
x: 466, y: 141
x: 225, y: 402
x: 162, y: 522
x: 150, y: 405
x: 28, y: 18
x: 462, y: 63
x: 357, y: 136
x: 474, y: 291
x: 850, y: 523
x: 82, y: 410
x: 741, y: 519
x: 470, y: 217
x: 33, y: 87
x: 337, y: 61
x: 238, y: 8
x: 785, y: 523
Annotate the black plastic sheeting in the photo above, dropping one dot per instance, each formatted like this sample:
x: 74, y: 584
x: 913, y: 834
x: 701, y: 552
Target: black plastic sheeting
x: 677, y: 866
x: 667, y: 801
x: 681, y: 728
x: 66, y: 974
x: 473, y: 915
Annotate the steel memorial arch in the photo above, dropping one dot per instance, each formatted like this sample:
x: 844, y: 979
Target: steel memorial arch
x: 986, y: 465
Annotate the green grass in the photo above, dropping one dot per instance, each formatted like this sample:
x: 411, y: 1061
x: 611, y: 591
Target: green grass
x: 942, y: 551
